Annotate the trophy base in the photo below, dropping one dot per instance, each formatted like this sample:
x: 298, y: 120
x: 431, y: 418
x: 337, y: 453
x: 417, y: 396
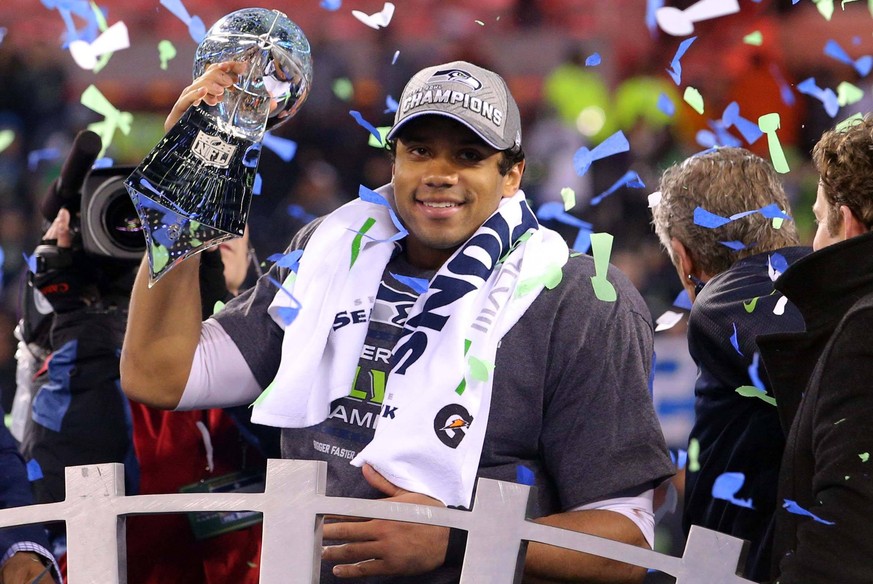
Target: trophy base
x: 193, y: 190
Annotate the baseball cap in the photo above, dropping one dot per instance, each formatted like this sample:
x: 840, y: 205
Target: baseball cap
x: 467, y: 93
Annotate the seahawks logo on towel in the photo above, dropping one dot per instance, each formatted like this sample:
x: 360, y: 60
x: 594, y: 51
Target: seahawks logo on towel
x: 458, y: 75
x: 451, y: 423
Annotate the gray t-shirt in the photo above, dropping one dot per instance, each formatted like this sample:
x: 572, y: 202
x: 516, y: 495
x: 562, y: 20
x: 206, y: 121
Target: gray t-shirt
x: 571, y: 404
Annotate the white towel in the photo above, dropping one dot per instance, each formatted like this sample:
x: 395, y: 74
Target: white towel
x: 432, y: 426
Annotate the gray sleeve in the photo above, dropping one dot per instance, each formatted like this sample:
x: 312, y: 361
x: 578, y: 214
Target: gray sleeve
x: 600, y: 435
x: 247, y: 323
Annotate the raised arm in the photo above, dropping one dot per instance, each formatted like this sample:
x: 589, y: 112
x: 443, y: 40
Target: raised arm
x: 163, y: 326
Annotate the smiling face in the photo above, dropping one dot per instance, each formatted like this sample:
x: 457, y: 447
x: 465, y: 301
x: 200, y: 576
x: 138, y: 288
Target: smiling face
x: 447, y: 182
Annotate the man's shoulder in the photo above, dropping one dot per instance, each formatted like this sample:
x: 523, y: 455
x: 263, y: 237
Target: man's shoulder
x: 577, y: 287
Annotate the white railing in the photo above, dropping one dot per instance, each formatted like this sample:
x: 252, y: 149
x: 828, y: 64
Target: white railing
x: 293, y: 506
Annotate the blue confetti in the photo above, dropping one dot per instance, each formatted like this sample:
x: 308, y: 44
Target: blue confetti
x: 298, y: 212
x: 731, y: 117
x: 282, y: 147
x: 862, y: 65
x: 419, y: 285
x: 583, y: 158
x: 630, y: 179
x: 753, y: 373
x: 772, y: 211
x: 682, y: 300
x: 726, y: 487
x: 105, y: 162
x: 30, y: 262
x: 709, y: 220
x: 331, y: 5
x: 290, y: 260
x: 778, y: 262
x: 390, y: 105
x: 286, y: 313
x: 524, y: 475
x: 675, y: 69
x: 734, y: 245
x: 371, y: 196
x: 735, y: 340
x: 793, y: 507
x: 554, y: 210
x: 826, y: 96
x: 593, y: 60
x: 365, y: 124
x: 34, y: 470
x: 785, y: 91
x: 652, y: 7
x: 666, y: 105
x: 259, y: 182
x: 34, y: 157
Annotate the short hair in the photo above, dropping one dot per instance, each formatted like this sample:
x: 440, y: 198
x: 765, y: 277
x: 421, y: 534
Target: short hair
x: 725, y: 181
x: 510, y: 158
x: 844, y: 159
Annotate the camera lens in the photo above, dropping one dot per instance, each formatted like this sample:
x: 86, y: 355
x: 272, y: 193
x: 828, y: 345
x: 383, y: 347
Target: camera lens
x: 122, y: 223
x: 110, y: 225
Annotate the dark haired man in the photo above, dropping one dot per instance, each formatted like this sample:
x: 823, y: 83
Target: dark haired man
x: 397, y: 297
x: 821, y: 377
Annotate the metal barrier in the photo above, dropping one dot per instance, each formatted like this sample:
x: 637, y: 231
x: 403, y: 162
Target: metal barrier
x: 293, y: 505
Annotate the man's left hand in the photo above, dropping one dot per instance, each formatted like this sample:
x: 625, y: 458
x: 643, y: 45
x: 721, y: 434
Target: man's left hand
x: 386, y: 548
x: 25, y: 568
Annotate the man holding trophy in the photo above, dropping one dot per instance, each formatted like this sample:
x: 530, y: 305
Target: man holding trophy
x: 422, y: 336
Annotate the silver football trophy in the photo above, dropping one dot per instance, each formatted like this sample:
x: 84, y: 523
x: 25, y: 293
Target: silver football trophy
x: 193, y: 190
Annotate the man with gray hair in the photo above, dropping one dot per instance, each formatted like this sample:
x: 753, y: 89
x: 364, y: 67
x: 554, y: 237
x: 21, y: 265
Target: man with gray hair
x: 721, y: 220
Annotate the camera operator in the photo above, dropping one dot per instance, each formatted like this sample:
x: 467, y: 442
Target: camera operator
x: 84, y: 269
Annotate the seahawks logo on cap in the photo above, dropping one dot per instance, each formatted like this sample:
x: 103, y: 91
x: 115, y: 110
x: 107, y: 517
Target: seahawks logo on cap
x: 458, y: 75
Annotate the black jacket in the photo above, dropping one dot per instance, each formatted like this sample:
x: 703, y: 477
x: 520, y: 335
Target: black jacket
x: 736, y: 433
x: 822, y: 383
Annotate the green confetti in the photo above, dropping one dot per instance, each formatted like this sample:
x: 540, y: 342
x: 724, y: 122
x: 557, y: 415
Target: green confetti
x: 864, y: 456
x: 383, y: 133
x: 6, y: 139
x: 480, y: 370
x: 693, y: 454
x: 842, y: 126
x: 846, y: 477
x: 160, y: 257
x: 847, y: 94
x: 549, y: 279
x: 825, y: 8
x: 754, y: 38
x: 693, y: 98
x: 264, y: 393
x: 769, y: 123
x: 166, y: 53
x: 601, y: 249
x: 840, y: 421
x: 569, y: 197
x: 195, y: 243
x: 463, y: 385
x: 752, y: 391
x: 356, y: 243
x: 751, y: 304
x: 343, y: 88
x: 777, y: 222
x: 193, y: 226
x: 219, y: 305
x: 113, y: 118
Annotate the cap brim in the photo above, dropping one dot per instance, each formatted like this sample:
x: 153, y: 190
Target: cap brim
x: 490, y: 141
